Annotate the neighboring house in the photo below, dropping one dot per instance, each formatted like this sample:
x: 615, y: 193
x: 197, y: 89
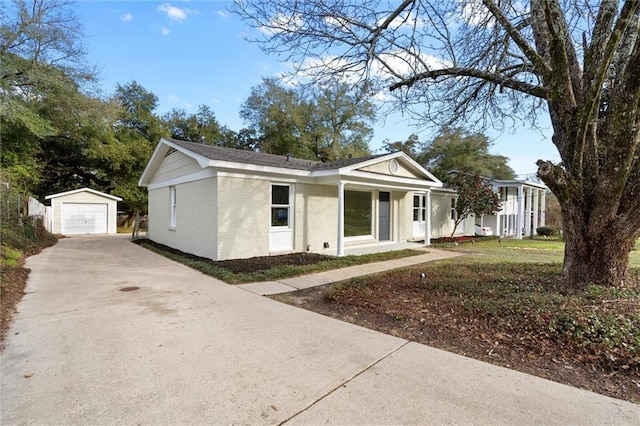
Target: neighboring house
x: 522, y: 211
x: 523, y: 208
x: 224, y: 203
x: 83, y: 211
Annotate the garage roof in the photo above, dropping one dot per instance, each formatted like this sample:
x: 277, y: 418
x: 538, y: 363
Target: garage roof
x: 75, y: 191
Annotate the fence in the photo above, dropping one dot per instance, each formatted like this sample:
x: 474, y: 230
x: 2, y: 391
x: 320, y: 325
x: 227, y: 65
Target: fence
x: 22, y: 212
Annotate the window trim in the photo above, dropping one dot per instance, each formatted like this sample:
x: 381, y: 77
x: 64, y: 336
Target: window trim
x: 421, y: 208
x: 289, y: 207
x: 173, y: 206
x: 372, y: 219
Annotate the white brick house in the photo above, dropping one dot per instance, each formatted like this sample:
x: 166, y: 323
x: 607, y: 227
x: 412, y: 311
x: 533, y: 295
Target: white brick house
x: 224, y: 203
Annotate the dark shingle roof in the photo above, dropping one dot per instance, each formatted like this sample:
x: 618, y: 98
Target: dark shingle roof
x: 262, y: 159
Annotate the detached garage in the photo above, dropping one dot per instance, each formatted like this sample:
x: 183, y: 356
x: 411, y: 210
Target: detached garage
x: 83, y: 211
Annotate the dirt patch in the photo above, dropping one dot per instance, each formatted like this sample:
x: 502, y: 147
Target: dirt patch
x: 253, y: 264
x: 396, y: 310
x: 14, y: 280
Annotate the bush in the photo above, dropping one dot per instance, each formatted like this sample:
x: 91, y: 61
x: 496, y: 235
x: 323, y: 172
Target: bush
x: 548, y: 231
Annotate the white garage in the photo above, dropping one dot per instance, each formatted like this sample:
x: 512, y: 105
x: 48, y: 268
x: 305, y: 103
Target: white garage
x: 83, y: 211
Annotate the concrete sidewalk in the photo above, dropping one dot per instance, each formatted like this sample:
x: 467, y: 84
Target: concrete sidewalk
x: 110, y: 333
x: 321, y: 278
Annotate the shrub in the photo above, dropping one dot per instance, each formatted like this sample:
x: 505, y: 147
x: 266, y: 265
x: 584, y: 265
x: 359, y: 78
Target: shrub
x: 548, y: 231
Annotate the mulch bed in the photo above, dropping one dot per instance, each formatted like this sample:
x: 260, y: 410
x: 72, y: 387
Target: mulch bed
x: 252, y: 264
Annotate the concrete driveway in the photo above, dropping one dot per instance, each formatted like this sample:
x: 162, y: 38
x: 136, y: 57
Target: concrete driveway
x: 188, y: 349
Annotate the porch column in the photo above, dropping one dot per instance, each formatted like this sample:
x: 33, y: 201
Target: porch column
x: 520, y: 214
x: 543, y: 207
x: 427, y: 223
x: 536, y: 210
x: 340, y: 240
x: 528, y: 210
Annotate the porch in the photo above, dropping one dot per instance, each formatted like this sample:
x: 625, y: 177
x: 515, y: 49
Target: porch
x: 377, y: 247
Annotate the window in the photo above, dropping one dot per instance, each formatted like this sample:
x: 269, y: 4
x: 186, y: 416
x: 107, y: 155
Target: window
x: 419, y: 211
x: 280, y: 205
x: 357, y: 213
x: 172, y: 190
x: 454, y: 213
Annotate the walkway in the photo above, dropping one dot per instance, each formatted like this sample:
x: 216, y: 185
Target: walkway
x: 313, y: 280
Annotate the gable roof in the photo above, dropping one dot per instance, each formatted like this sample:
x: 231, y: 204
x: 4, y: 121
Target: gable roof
x: 76, y: 191
x: 257, y: 162
x: 259, y: 158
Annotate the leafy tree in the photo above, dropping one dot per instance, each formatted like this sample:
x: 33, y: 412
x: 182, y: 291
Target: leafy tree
x: 491, y: 62
x: 345, y: 115
x: 43, y: 75
x: 280, y: 117
x: 455, y: 149
x: 137, y: 130
x: 201, y: 127
x: 324, y: 124
x: 475, y: 196
x: 412, y: 146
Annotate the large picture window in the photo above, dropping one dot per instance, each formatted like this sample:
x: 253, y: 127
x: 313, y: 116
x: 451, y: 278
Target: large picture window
x: 280, y: 205
x: 357, y: 213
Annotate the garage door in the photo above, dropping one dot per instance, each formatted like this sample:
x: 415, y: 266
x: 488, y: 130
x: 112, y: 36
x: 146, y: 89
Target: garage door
x: 84, y: 218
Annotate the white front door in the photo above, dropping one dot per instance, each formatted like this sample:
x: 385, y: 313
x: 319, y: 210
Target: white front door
x: 77, y: 218
x: 419, y: 215
x: 281, y: 218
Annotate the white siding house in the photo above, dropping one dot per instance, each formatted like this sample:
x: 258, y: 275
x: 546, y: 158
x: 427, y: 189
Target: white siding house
x: 223, y: 203
x: 83, y: 211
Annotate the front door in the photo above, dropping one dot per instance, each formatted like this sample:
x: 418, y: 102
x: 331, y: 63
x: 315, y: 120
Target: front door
x: 419, y: 215
x: 384, y: 217
x: 281, y: 226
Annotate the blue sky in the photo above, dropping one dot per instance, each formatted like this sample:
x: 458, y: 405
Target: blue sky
x: 190, y: 53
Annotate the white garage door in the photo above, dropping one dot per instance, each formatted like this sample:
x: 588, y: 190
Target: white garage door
x: 84, y: 218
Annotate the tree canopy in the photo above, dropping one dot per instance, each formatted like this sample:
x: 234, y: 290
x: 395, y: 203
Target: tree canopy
x: 455, y: 149
x: 499, y: 63
x: 324, y: 123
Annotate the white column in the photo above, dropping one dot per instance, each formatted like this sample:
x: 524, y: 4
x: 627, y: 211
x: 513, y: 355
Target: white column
x: 543, y: 207
x: 340, y: 240
x: 520, y: 214
x: 536, y: 218
x: 427, y: 223
x: 527, y: 213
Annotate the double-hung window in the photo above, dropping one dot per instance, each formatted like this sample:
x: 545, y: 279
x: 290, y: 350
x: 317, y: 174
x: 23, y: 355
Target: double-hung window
x: 280, y: 205
x: 454, y: 213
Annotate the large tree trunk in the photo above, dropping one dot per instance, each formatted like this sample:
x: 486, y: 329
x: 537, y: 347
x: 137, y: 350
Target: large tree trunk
x: 595, y: 254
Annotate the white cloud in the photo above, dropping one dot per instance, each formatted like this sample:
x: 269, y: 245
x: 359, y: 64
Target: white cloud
x: 163, y: 30
x: 283, y: 23
x: 174, y: 100
x: 222, y: 14
x: 475, y: 13
x: 127, y: 17
x: 176, y: 13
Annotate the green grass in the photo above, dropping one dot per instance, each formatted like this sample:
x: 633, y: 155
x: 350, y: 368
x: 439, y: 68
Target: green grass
x: 512, y: 250
x: 213, y: 269
x: 10, y: 258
